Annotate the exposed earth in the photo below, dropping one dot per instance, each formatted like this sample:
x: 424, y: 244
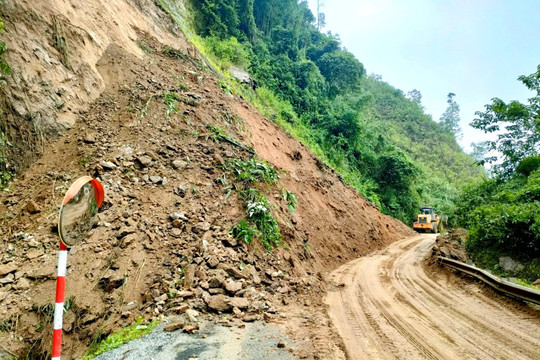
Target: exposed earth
x: 128, y: 100
x: 389, y: 306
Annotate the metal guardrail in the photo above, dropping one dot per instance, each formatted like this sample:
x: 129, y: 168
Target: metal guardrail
x: 511, y: 289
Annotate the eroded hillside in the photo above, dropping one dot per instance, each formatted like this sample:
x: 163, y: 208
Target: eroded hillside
x: 154, y: 124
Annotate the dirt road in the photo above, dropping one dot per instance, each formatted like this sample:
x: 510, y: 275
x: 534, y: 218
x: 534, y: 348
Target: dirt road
x: 386, y: 307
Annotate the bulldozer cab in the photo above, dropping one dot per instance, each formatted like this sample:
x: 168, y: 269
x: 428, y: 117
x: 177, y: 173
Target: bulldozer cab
x: 428, y: 211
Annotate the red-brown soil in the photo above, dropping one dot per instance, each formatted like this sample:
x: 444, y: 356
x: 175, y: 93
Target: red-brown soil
x: 135, y: 262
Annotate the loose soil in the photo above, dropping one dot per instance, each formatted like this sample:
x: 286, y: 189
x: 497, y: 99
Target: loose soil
x: 162, y: 245
x: 389, y: 306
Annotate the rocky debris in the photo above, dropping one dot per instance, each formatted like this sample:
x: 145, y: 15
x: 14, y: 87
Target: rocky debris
x: 8, y: 279
x: 189, y: 277
x: 218, y: 303
x: 536, y: 282
x: 451, y: 245
x: 179, y: 164
x: 8, y: 268
x: 89, y: 138
x: 509, y: 264
x: 144, y: 161
x: 175, y: 325
x: 108, y: 165
x: 32, y: 207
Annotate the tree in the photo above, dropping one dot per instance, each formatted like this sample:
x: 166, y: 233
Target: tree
x: 517, y: 126
x: 450, y: 118
x: 416, y: 97
x: 341, y: 70
x: 321, y: 18
x: 479, y: 152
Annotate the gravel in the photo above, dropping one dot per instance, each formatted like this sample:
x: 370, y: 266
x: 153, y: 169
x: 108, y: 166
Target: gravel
x: 257, y: 341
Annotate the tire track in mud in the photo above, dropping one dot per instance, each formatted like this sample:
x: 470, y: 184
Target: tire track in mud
x: 387, y: 307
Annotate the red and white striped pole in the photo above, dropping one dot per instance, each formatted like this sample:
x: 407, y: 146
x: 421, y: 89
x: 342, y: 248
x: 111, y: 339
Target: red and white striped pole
x: 80, y: 205
x: 59, y: 305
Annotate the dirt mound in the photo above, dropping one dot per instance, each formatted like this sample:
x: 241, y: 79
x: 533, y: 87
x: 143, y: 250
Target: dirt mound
x: 158, y: 136
x: 451, y: 245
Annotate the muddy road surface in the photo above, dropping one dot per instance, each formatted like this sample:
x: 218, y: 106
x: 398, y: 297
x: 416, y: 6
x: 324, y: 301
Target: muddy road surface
x: 387, y: 306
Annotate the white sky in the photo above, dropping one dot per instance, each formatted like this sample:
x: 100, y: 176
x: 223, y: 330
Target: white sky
x: 475, y: 49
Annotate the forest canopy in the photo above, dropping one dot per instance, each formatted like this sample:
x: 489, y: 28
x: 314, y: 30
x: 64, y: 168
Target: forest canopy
x: 379, y: 139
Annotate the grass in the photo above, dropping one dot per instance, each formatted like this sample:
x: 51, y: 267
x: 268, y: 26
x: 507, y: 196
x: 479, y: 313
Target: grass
x: 119, y: 338
x: 218, y: 134
x: 171, y: 99
x: 60, y: 43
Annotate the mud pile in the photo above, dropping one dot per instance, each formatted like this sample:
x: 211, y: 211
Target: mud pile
x: 162, y: 244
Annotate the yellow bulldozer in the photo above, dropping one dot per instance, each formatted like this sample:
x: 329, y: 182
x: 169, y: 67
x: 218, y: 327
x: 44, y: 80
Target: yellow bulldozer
x: 427, y: 221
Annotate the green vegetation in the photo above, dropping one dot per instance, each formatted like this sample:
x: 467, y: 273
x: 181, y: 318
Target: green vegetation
x: 252, y: 171
x: 379, y: 140
x: 171, y: 99
x: 119, y: 338
x: 291, y: 199
x: 260, y: 222
x: 503, y: 213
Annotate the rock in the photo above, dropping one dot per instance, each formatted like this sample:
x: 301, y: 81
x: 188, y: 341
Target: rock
x: 108, y: 165
x: 89, y: 138
x: 125, y: 230
x: 177, y: 223
x: 181, y: 309
x: 444, y: 251
x: 8, y: 279
x: 233, y: 286
x: 130, y: 306
x: 176, y: 232
x: 181, y: 191
x: 175, y: 325
x: 32, y: 207
x: 155, y: 179
x: 189, y: 277
x: 509, y: 264
x: 213, y: 261
x: 537, y: 282
x: 192, y: 315
x: 250, y: 318
x: 191, y: 328
x: 218, y: 303
x: 241, y: 303
x: 185, y: 294
x: 178, y: 216
x: 216, y: 281
x: 281, y: 344
x: 7, y: 268
x: 34, y: 253
x: 46, y: 271
x: 179, y: 164
x: 144, y: 160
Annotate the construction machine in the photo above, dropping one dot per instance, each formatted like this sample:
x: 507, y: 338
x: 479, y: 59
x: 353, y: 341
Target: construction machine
x: 427, y: 221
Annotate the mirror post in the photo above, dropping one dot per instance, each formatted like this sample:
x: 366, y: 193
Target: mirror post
x: 77, y: 216
x: 59, y: 303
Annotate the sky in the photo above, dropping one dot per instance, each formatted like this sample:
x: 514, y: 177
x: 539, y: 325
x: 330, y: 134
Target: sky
x: 475, y: 49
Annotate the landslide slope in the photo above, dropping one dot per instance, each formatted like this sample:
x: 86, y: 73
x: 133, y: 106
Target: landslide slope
x: 156, y: 157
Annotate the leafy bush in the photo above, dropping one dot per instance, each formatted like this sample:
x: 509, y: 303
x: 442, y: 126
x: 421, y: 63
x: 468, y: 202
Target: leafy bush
x: 258, y: 212
x: 228, y: 51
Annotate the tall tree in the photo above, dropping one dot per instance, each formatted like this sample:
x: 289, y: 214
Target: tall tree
x: 450, y: 118
x: 416, y: 97
x: 321, y: 18
x: 517, y: 126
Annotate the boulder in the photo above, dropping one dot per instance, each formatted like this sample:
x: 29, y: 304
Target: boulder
x: 509, y: 264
